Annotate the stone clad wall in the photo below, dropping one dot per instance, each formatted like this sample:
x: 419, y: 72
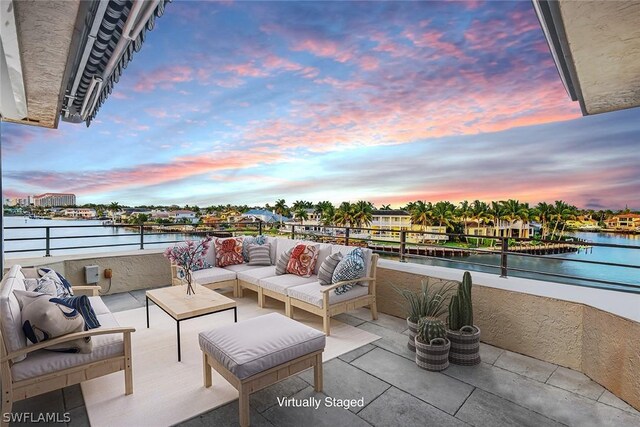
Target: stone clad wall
x: 604, y: 346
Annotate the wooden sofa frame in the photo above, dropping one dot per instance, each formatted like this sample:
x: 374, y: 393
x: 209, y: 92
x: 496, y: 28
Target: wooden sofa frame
x: 13, y: 391
x: 327, y: 310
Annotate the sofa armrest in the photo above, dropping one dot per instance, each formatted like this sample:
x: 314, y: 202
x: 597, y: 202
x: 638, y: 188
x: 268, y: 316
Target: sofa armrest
x: 346, y: 282
x: 66, y: 338
x: 92, y: 290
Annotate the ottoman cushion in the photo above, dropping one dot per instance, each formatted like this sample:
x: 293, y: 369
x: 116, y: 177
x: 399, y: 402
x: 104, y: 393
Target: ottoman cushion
x: 256, y: 345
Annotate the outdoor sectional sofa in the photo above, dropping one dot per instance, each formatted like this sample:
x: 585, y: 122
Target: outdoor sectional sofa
x: 30, y: 370
x: 304, y: 293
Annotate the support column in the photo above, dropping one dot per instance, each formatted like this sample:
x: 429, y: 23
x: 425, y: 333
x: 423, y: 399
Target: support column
x: 1, y: 217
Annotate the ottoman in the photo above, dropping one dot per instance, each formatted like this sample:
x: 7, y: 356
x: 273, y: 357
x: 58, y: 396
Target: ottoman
x: 258, y: 352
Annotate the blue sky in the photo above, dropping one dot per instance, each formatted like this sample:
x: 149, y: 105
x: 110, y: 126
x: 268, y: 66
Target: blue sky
x: 243, y: 102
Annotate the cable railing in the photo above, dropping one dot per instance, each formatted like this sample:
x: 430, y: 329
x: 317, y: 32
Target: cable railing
x: 507, y: 256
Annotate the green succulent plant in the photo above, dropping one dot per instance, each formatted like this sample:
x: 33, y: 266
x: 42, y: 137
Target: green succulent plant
x: 428, y: 302
x: 430, y: 328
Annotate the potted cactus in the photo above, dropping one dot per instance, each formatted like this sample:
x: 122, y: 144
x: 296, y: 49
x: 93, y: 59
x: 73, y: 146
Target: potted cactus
x: 463, y: 334
x: 418, y: 306
x: 432, y: 345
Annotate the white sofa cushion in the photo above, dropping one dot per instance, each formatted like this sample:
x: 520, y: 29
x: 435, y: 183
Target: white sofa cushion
x: 311, y: 293
x: 368, y: 253
x: 284, y: 245
x: 43, y: 362
x: 281, y: 283
x: 10, y: 317
x: 256, y: 345
x: 239, y: 267
x: 212, y: 275
x: 99, y: 307
x: 255, y: 274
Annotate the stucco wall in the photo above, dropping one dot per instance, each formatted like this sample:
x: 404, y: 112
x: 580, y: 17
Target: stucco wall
x: 602, y: 345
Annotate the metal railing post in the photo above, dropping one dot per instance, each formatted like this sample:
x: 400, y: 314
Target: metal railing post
x: 47, y: 251
x: 503, y: 257
x: 293, y: 231
x: 346, y: 236
x: 141, y: 236
x: 403, y: 245
x: 260, y: 228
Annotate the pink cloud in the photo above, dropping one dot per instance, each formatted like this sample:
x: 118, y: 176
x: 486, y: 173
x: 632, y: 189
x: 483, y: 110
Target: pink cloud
x: 164, y: 77
x: 323, y: 48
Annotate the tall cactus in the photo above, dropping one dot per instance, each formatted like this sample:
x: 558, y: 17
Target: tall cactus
x: 430, y: 328
x: 461, y: 306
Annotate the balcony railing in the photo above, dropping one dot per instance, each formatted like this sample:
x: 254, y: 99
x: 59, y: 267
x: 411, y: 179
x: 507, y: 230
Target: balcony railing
x: 509, y: 253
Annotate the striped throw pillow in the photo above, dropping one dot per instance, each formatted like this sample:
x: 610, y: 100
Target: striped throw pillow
x: 283, y: 261
x: 260, y: 254
x: 351, y: 267
x: 328, y: 266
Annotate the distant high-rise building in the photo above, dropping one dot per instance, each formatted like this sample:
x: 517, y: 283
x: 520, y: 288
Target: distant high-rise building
x: 54, y: 199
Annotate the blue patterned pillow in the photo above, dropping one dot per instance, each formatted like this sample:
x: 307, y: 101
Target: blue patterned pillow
x: 83, y: 306
x: 258, y: 240
x: 64, y: 287
x: 351, y: 267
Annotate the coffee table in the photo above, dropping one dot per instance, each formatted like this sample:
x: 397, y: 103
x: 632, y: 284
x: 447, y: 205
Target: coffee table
x: 174, y: 301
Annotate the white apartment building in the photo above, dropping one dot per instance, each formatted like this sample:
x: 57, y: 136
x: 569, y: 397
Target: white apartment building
x: 388, y: 223
x: 54, y: 199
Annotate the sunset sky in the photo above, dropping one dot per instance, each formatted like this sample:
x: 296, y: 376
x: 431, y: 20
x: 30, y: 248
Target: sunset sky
x: 246, y: 103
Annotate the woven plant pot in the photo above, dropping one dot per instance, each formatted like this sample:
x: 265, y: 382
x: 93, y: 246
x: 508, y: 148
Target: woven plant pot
x: 433, y: 356
x: 465, y: 346
x: 413, y: 331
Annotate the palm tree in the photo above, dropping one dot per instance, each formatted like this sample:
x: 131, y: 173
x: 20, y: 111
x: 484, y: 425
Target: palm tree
x: 326, y: 211
x: 543, y: 212
x: 281, y: 209
x: 515, y: 211
x: 113, y: 208
x: 385, y: 207
x: 442, y: 213
x: 497, y: 212
x: 464, y: 212
x: 343, y: 216
x: 362, y: 212
x: 300, y: 214
x: 409, y: 206
x: 421, y: 214
x: 561, y: 213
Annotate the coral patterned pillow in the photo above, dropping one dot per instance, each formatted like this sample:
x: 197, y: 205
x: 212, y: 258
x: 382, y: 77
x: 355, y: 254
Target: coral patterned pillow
x: 229, y: 251
x: 303, y: 260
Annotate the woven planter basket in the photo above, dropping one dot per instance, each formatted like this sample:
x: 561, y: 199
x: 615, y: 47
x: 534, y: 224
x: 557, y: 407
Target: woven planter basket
x: 413, y: 331
x: 465, y: 346
x: 434, y: 356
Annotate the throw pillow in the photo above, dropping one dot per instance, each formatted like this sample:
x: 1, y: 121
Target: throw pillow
x: 350, y: 268
x: 229, y: 251
x: 43, y: 319
x: 260, y: 254
x: 283, y: 261
x: 303, y: 260
x: 83, y: 305
x: 60, y: 279
x: 43, y: 285
x: 257, y: 240
x: 328, y: 266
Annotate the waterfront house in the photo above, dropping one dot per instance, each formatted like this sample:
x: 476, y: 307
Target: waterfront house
x: 84, y: 213
x: 268, y: 217
x: 623, y: 222
x: 387, y: 223
x: 183, y: 216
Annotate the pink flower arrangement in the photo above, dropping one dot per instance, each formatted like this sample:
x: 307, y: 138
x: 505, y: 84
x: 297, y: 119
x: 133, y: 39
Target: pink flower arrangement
x: 189, y: 257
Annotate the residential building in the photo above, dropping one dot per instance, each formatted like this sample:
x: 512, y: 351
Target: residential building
x: 54, y: 199
x: 84, y: 213
x: 18, y: 201
x: 269, y: 217
x: 183, y: 216
x: 624, y: 222
x: 388, y: 223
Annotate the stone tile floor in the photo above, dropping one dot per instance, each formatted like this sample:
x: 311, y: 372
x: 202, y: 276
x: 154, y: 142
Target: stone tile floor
x: 506, y: 389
